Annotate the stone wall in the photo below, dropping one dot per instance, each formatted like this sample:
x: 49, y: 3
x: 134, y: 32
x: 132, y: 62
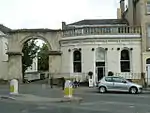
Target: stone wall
x: 19, y: 37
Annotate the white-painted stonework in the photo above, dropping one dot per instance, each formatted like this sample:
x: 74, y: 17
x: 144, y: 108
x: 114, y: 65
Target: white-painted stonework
x: 112, y: 55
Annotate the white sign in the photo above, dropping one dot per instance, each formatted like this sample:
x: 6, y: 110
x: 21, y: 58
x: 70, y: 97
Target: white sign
x: 90, y: 82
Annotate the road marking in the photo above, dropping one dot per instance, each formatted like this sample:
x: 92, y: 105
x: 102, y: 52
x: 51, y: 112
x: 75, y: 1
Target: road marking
x: 73, y: 107
x: 131, y: 105
x: 42, y: 107
x: 25, y: 111
x: 123, y: 95
x: 87, y: 108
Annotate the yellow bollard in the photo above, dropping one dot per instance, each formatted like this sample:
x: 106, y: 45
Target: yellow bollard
x: 68, y: 91
x: 14, y: 86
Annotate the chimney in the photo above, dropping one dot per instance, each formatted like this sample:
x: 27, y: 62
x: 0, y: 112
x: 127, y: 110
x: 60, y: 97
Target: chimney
x: 63, y: 25
x: 119, y: 13
x: 122, y: 6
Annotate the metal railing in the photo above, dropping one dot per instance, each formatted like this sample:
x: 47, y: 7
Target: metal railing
x: 102, y: 30
x: 128, y: 75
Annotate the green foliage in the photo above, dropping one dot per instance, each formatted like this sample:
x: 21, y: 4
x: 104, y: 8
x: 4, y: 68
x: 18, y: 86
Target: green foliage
x: 29, y: 52
x: 43, y: 58
x: 110, y: 73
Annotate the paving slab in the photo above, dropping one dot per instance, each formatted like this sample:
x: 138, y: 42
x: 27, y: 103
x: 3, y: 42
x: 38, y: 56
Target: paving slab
x: 35, y: 98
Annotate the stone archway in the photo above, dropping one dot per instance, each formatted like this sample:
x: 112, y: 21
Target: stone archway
x: 15, y: 44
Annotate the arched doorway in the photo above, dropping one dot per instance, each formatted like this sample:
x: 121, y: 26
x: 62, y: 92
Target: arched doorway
x: 148, y: 70
x: 100, y: 62
x: 15, y: 45
x: 35, y: 60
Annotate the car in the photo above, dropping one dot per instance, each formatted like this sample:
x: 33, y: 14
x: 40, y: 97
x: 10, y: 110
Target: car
x: 115, y: 83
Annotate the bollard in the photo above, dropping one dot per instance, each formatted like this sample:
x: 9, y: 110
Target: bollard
x: 68, y: 89
x: 14, y: 86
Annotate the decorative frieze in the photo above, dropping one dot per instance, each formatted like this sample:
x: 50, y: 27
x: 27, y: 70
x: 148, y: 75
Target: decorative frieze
x: 100, y: 41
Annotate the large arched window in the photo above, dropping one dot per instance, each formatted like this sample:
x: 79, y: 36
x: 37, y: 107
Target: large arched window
x: 125, y: 61
x: 77, y: 61
x: 148, y: 61
x: 100, y: 54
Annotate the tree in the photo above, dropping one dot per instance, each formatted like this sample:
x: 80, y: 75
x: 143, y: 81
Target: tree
x: 43, y: 58
x: 29, y: 52
x: 110, y: 73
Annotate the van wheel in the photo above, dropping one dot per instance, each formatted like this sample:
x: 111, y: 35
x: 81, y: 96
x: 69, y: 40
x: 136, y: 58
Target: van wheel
x: 102, y: 89
x: 133, y: 90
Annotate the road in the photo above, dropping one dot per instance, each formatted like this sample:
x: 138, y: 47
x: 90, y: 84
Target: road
x: 93, y: 103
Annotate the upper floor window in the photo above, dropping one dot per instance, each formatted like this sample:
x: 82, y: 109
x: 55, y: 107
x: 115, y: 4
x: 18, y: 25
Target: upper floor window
x: 100, y: 54
x: 125, y: 61
x: 148, y: 6
x: 148, y: 38
x: 77, y: 61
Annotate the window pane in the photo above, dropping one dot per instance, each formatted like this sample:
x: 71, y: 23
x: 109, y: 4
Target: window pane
x: 125, y: 66
x: 117, y: 79
x: 148, y: 6
x: 77, y: 56
x: 125, y: 55
x: 148, y: 2
x: 100, y: 64
x: 77, y: 66
x: 100, y: 54
x: 148, y: 61
x: 148, y: 30
x: 148, y: 37
x: 108, y: 79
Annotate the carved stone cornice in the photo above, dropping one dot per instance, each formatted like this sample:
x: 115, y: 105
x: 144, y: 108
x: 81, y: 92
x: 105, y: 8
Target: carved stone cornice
x: 55, y: 52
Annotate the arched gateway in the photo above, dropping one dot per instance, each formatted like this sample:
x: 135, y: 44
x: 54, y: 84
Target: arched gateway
x: 15, y: 44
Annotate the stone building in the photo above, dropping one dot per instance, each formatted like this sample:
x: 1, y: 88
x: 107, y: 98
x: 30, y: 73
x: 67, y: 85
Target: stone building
x: 99, y: 45
x: 3, y: 49
x: 137, y: 14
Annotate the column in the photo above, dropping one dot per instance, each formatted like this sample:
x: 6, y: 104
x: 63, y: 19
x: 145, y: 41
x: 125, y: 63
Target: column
x: 55, y: 63
x: 71, y: 63
x: 15, y: 66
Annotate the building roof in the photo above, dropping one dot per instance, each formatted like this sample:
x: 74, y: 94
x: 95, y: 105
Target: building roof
x: 100, y: 22
x: 33, y: 30
x: 4, y: 29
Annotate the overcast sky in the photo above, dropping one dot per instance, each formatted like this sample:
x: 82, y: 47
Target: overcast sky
x: 50, y: 13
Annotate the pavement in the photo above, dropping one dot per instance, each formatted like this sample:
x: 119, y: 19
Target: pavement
x: 93, y: 102
x: 37, y: 93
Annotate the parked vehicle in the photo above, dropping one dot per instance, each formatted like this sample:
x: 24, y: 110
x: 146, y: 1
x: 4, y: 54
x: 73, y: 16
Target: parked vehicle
x: 112, y: 83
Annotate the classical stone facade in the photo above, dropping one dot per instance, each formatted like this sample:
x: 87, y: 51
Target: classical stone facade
x: 111, y: 45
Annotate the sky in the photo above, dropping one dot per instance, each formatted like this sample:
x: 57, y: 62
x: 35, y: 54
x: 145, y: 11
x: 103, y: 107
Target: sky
x: 18, y: 14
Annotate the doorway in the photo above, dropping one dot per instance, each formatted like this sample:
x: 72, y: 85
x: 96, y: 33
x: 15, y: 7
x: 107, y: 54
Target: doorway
x: 100, y: 72
x: 148, y: 71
